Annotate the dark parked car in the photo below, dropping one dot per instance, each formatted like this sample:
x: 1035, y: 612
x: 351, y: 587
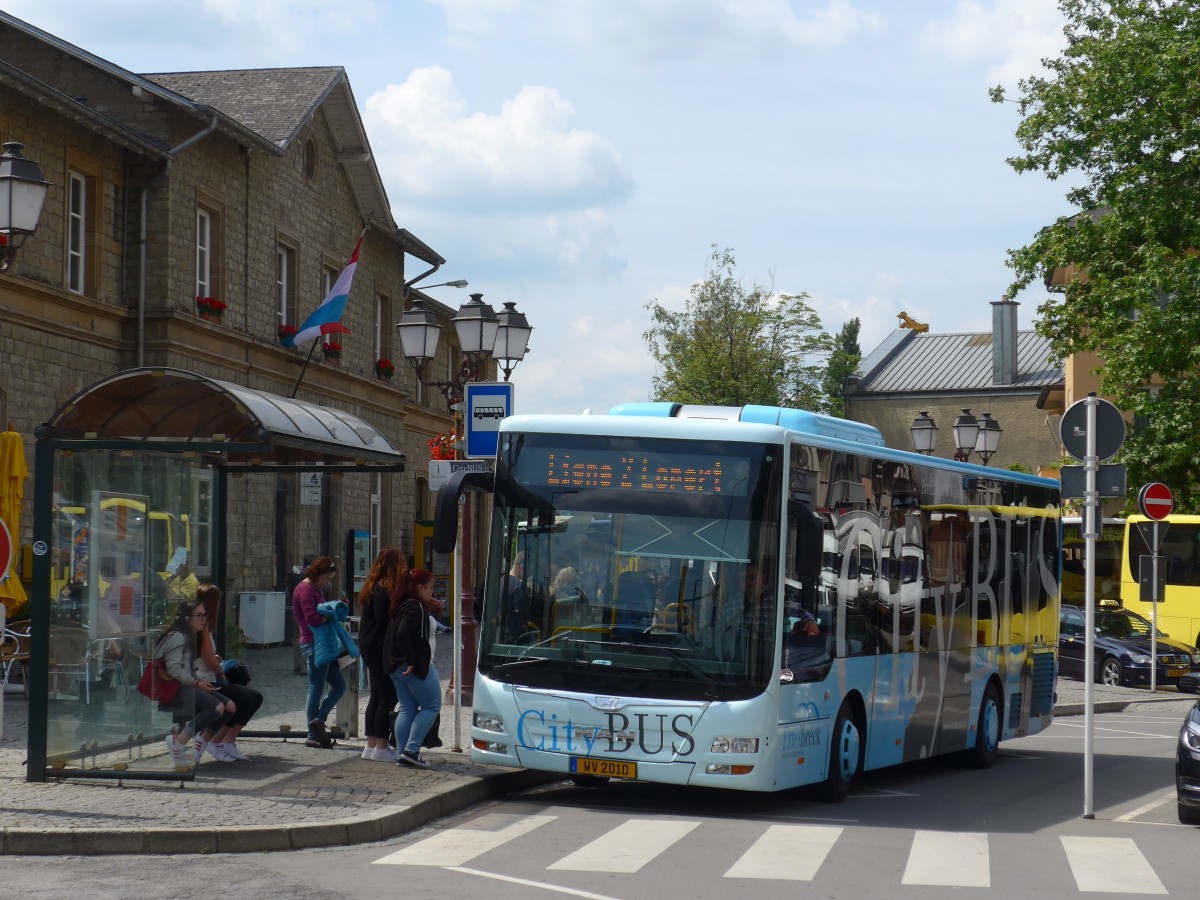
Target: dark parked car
x: 1122, y: 649
x: 1187, y: 768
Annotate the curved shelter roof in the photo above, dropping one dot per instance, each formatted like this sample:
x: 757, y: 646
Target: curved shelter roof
x: 172, y: 409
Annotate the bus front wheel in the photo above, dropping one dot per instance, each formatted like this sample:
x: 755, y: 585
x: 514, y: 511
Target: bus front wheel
x: 845, y: 755
x: 987, y: 731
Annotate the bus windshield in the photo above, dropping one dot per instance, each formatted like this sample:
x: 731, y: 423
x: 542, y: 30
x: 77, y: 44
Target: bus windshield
x: 633, y: 572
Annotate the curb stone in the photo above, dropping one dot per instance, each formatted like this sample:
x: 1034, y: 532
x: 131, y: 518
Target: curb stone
x: 387, y: 822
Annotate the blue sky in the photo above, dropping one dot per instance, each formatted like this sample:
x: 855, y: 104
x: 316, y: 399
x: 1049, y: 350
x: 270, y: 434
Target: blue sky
x: 581, y: 157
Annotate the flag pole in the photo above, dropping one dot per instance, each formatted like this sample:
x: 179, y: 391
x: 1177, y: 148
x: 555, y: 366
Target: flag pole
x: 304, y: 368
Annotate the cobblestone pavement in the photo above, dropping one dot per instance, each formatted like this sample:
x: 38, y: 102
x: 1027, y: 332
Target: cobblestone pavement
x: 288, y: 796
x: 291, y: 796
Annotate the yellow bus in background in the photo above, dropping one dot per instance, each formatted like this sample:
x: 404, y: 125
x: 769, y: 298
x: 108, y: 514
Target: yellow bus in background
x: 1109, y: 547
x: 1179, y: 573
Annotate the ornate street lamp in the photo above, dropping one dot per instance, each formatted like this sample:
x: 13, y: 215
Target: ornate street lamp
x: 966, y: 433
x: 988, y: 441
x: 924, y: 433
x: 22, y: 193
x: 512, y: 338
x: 481, y: 333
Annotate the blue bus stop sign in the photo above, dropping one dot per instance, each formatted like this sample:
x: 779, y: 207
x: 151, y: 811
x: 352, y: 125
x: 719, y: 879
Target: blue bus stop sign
x: 484, y: 405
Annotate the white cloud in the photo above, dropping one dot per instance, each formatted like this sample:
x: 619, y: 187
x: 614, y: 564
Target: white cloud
x: 661, y: 30
x: 1011, y: 37
x: 528, y: 157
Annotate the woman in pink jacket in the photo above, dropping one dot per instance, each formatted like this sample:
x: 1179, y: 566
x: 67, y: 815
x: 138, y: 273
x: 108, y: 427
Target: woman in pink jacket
x: 305, y: 599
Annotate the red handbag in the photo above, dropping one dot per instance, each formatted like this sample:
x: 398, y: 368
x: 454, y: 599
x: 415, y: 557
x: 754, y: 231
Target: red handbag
x: 156, y: 684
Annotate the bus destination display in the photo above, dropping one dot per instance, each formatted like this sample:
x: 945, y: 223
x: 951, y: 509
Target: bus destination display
x: 688, y: 473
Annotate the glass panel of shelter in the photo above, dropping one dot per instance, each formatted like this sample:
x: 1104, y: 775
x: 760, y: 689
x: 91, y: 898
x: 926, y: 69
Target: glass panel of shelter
x: 120, y: 533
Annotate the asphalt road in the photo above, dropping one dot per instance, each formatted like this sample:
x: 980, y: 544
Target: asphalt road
x: 932, y: 829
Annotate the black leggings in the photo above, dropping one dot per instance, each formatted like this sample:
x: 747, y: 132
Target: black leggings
x: 381, y: 704
x: 246, y: 699
x: 205, y: 705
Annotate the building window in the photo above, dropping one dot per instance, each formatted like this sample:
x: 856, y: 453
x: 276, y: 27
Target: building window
x: 201, y: 524
x: 328, y: 279
x: 77, y: 232
x: 204, y: 235
x: 310, y: 160
x: 382, y: 317
x: 285, y: 284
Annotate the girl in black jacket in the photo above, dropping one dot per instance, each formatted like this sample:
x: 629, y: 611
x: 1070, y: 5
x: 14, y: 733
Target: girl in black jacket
x: 407, y: 658
x: 376, y: 599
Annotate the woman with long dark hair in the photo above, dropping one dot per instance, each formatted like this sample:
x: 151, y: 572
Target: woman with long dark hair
x: 376, y: 599
x: 305, y: 599
x: 244, y: 700
x: 178, y: 648
x: 408, y: 659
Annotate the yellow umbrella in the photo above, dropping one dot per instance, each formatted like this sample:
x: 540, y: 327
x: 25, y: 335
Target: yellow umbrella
x: 13, y: 472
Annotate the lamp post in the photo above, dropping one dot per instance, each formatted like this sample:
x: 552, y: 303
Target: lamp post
x: 966, y: 434
x: 22, y: 193
x: 988, y: 441
x: 481, y: 334
x: 924, y: 433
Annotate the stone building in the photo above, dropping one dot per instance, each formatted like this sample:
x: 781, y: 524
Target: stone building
x: 1005, y: 372
x: 249, y: 187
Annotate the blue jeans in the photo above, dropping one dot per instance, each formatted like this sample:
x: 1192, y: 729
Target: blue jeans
x: 318, y: 676
x: 420, y: 702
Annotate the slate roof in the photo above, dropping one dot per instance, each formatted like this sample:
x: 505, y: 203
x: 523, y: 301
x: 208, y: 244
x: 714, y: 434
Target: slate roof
x: 273, y: 103
x: 907, y: 362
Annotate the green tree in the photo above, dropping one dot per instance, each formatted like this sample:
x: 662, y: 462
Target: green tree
x: 1119, y: 113
x: 732, y: 347
x: 843, y: 361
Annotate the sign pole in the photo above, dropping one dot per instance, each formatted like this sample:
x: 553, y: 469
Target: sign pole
x: 1154, y: 618
x: 1089, y: 667
x: 456, y: 637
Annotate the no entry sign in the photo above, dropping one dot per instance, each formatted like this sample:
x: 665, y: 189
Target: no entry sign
x: 1156, y: 501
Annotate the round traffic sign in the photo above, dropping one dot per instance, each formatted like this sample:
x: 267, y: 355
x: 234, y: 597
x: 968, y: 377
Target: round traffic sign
x: 1110, y: 429
x: 1155, y: 500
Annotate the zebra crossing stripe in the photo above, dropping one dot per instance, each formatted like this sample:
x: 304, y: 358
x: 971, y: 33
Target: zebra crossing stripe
x: 1111, y: 866
x: 787, y: 853
x: 458, y: 846
x: 946, y: 859
x: 627, y: 847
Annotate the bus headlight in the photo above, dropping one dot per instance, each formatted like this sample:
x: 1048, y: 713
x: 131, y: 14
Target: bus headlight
x: 734, y: 745
x: 1142, y: 659
x: 489, y: 722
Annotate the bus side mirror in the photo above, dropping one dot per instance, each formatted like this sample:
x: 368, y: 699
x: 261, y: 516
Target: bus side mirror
x: 810, y: 535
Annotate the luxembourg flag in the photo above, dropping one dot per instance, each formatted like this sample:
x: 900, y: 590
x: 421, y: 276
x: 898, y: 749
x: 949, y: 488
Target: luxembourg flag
x: 327, y: 318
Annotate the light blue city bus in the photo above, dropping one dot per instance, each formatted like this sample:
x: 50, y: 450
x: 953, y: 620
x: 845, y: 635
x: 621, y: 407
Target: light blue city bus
x: 754, y: 598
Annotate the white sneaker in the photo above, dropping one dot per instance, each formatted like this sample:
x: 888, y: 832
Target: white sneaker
x: 198, y: 746
x: 217, y: 752
x: 383, y: 754
x: 231, y: 749
x: 368, y: 753
x: 180, y: 753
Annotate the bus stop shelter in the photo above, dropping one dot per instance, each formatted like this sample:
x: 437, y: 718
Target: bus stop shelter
x: 125, y: 472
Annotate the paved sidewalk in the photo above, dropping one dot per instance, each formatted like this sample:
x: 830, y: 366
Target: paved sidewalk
x: 288, y: 797
x: 291, y: 796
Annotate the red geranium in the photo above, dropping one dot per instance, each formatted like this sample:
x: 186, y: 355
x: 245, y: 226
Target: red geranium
x: 441, y: 446
x: 332, y: 349
x: 211, y: 305
x: 384, y: 368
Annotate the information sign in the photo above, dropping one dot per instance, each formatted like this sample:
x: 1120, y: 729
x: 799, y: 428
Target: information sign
x: 485, y: 405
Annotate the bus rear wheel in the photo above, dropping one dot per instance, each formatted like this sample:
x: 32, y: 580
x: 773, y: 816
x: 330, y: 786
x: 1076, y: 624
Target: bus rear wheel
x: 845, y: 755
x: 987, y: 731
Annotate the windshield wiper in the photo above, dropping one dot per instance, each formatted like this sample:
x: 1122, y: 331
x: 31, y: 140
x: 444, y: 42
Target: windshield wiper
x: 691, y: 667
x: 524, y: 661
